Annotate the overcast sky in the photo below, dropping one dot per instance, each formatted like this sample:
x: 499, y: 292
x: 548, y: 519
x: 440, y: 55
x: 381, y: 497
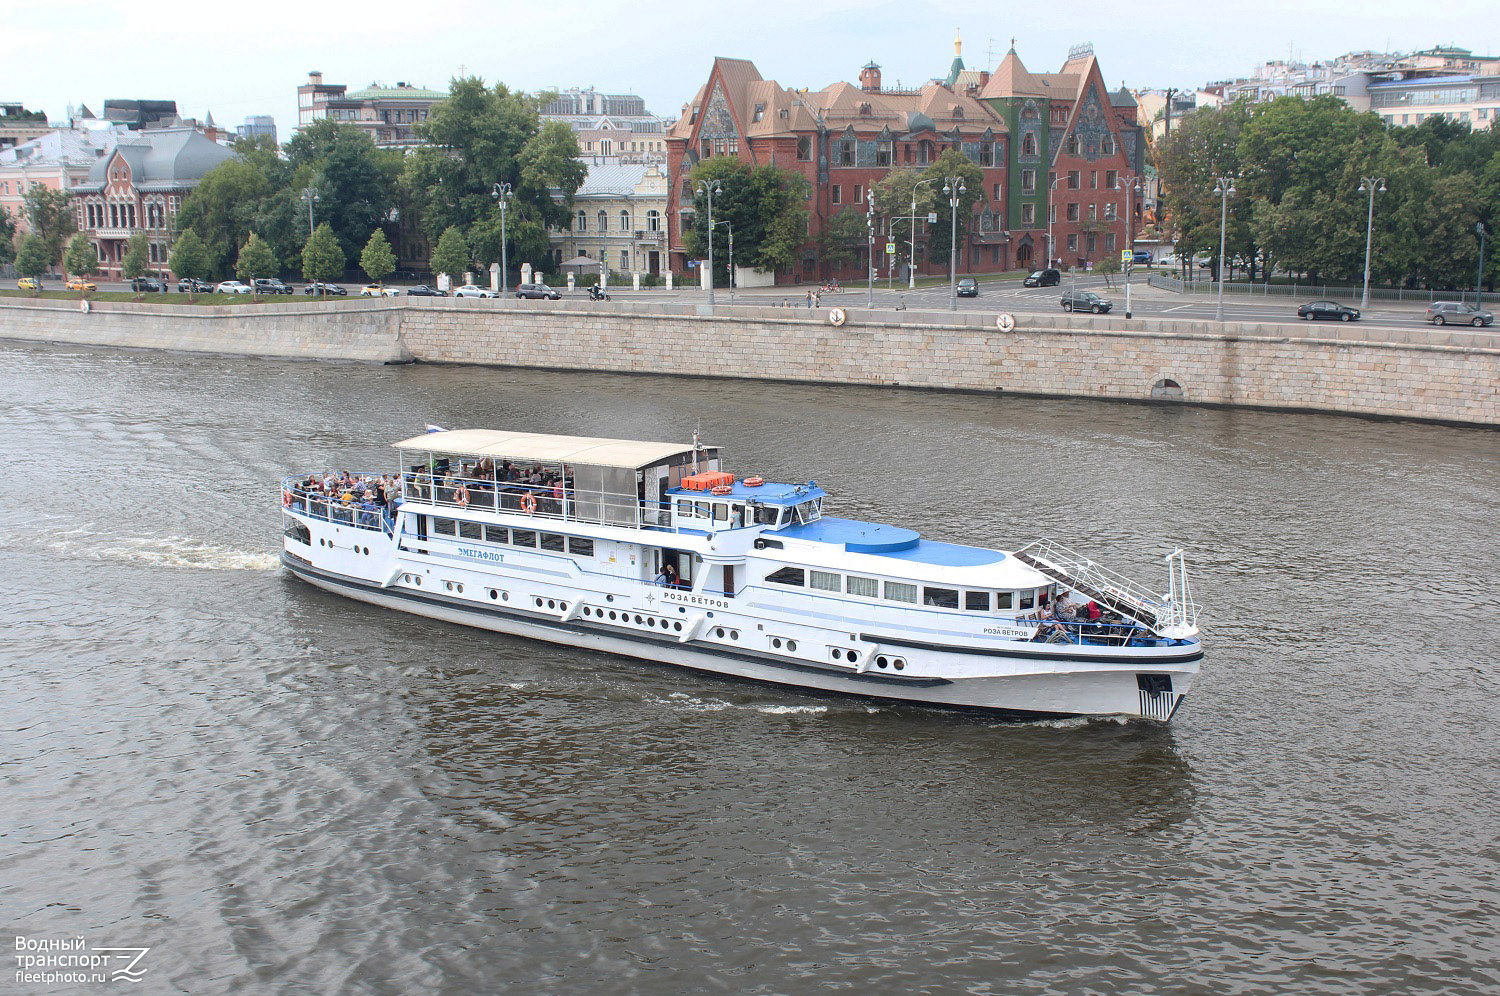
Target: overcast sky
x: 237, y: 59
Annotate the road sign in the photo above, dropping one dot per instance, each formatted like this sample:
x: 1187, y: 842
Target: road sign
x: 890, y: 248
x: 1126, y: 257
x: 1089, y: 266
x: 1006, y: 322
x: 932, y: 217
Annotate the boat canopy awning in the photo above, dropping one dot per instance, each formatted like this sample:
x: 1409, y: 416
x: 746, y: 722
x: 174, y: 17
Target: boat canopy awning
x: 531, y: 447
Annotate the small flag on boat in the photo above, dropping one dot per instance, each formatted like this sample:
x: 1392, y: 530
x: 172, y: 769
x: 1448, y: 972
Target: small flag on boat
x: 436, y: 428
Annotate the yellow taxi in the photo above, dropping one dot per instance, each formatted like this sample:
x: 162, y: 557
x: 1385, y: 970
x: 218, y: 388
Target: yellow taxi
x: 80, y: 284
x: 28, y: 283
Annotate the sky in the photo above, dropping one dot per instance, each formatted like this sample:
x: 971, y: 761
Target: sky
x: 236, y: 60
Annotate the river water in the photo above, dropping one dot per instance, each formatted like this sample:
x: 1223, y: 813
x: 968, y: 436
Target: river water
x: 280, y: 791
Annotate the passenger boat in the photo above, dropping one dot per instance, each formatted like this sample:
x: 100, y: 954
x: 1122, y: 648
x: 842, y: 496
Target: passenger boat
x: 654, y: 551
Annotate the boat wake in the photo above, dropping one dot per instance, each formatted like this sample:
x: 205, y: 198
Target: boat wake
x: 156, y: 551
x: 692, y: 703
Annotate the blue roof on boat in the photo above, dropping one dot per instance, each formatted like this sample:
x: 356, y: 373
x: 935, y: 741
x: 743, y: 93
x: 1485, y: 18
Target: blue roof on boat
x: 766, y: 494
x: 890, y: 541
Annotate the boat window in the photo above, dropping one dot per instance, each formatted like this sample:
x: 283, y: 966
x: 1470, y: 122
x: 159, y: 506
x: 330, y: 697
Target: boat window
x: 1028, y: 599
x: 469, y: 530
x: 702, y: 509
x: 496, y: 534
x: 523, y: 537
x: 552, y: 541
x: 787, y: 575
x: 977, y: 601
x: 900, y: 591
x: 444, y: 527
x: 297, y: 531
x: 738, y: 515
x: 824, y: 581
x: 765, y: 516
x: 684, y: 509
x: 1002, y: 599
x: 943, y: 598
x: 868, y: 587
x: 581, y: 547
x: 721, y: 512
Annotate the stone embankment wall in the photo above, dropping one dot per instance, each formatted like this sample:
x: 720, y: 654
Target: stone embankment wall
x: 1438, y: 374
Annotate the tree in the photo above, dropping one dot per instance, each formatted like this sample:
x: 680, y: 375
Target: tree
x: 222, y: 208
x: 895, y: 194
x: 82, y: 258
x: 765, y: 204
x: 34, y: 257
x: 452, y: 254
x: 1107, y: 268
x: 51, y: 214
x: 355, y: 181
x: 7, y: 238
x: 189, y: 259
x: 256, y: 261
x: 322, y: 258
x: 135, y: 264
x: 953, y: 163
x: 844, y: 238
x: 377, y: 260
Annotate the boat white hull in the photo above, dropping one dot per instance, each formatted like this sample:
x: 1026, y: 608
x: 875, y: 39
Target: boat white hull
x: 1033, y: 685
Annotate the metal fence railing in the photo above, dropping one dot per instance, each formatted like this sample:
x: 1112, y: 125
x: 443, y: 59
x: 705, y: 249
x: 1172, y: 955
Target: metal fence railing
x: 1310, y: 291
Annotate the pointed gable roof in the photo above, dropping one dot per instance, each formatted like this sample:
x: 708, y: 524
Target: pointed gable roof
x: 1011, y: 79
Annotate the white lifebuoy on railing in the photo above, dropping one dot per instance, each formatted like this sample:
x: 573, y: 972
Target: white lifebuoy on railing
x: 1006, y: 322
x: 837, y: 317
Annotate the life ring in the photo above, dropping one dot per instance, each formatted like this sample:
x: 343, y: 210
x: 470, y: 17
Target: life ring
x: 723, y: 489
x: 528, y: 503
x: 461, y: 496
x: 837, y: 317
x: 754, y: 482
x: 286, y: 498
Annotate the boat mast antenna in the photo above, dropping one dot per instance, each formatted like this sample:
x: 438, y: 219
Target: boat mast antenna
x: 697, y: 445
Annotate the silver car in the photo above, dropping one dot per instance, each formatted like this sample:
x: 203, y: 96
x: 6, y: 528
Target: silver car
x: 1443, y: 312
x: 473, y: 290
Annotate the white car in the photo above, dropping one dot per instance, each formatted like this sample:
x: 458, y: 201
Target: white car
x: 473, y: 290
x: 376, y: 290
x: 233, y: 287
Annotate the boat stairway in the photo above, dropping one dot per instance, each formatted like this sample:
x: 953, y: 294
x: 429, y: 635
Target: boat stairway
x: 1077, y: 572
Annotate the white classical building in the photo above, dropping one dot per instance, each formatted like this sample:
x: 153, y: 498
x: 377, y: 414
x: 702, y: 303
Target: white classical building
x: 619, y: 216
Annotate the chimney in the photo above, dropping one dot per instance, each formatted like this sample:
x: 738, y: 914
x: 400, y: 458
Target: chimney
x: 869, y: 77
x: 314, y: 78
x: 984, y: 77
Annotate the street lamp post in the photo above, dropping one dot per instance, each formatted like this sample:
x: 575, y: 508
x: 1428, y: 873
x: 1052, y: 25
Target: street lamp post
x: 1224, y: 187
x: 501, y: 193
x: 1373, y: 184
x: 870, y: 270
x: 1131, y: 185
x: 1479, y: 280
x: 708, y: 188
x: 1051, y: 217
x: 730, y: 226
x: 954, y: 189
x: 310, y: 196
x: 911, y: 270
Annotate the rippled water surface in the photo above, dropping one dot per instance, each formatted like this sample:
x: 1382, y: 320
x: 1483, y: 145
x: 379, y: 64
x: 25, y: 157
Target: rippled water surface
x: 280, y: 791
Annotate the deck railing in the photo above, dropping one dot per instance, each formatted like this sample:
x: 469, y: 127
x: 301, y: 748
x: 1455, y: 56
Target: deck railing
x: 297, y: 497
x: 563, y: 503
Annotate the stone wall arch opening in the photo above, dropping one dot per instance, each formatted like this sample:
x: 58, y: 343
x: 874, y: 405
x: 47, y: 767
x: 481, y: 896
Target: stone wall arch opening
x: 1166, y: 389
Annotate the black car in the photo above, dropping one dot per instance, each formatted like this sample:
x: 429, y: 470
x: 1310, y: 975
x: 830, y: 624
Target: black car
x: 270, y: 285
x: 192, y: 285
x: 1087, y: 301
x: 1330, y: 310
x: 968, y: 287
x: 331, y: 290
x: 537, y: 292
x: 422, y: 290
x: 1049, y: 277
x: 147, y: 284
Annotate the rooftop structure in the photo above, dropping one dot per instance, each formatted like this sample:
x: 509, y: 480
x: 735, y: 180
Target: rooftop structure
x: 389, y: 114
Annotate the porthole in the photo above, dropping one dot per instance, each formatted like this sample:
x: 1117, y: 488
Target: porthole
x: 537, y: 602
x: 551, y: 603
x: 494, y: 595
x: 791, y: 645
x: 719, y: 632
x: 562, y: 606
x: 460, y: 588
x: 734, y: 634
x: 638, y: 620
x: 776, y: 642
x: 609, y: 598
x: 505, y: 596
x: 611, y: 615
x: 881, y: 662
x: 677, y: 626
x: 587, y: 611
x: 900, y: 664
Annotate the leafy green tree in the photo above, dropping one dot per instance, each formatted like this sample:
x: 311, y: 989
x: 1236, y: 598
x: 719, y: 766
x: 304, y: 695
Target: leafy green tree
x: 1107, y: 268
x: 51, y: 215
x: 82, y: 258
x: 377, y: 260
x: 953, y: 163
x: 7, y: 238
x: 355, y: 182
x: 451, y: 255
x: 844, y: 238
x: 34, y: 257
x: 766, y: 206
x: 136, y: 262
x: 189, y: 259
x: 256, y: 260
x: 223, y: 207
x: 322, y: 258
